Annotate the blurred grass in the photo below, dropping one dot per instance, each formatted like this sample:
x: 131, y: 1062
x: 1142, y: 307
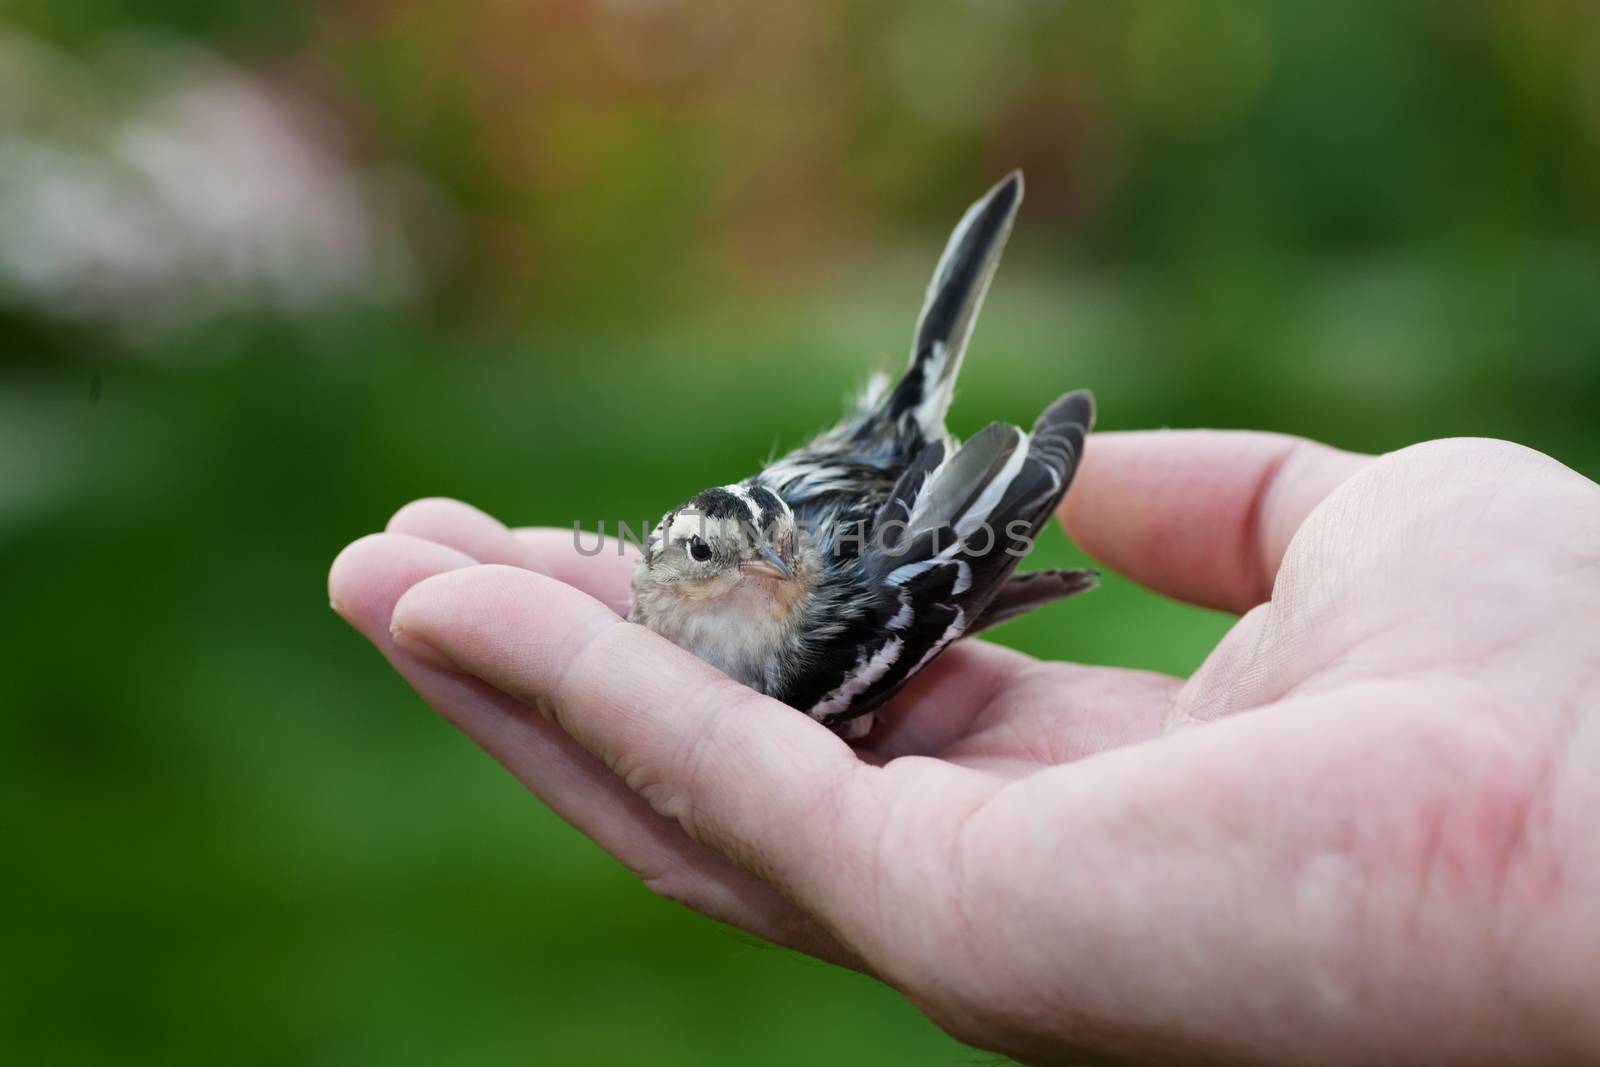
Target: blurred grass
x: 236, y: 835
x: 236, y: 829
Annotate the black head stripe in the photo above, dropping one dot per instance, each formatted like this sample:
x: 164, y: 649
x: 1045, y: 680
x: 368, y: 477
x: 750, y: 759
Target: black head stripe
x: 721, y: 504
x: 772, y: 508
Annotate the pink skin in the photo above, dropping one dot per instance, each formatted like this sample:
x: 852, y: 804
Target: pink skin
x: 1364, y: 831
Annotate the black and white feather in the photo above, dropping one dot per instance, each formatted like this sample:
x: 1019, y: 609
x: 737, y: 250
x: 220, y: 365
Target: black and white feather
x: 890, y: 540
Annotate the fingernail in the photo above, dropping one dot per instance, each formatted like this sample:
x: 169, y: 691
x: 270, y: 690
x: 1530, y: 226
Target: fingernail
x: 419, y: 649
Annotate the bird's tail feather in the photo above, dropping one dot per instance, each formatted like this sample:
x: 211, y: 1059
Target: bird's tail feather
x: 955, y: 295
x: 1023, y: 592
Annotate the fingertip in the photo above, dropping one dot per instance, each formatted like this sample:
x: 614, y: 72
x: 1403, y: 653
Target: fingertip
x: 345, y: 571
x: 372, y: 572
x: 424, y: 652
x: 460, y: 526
x: 429, y: 511
x: 420, y: 607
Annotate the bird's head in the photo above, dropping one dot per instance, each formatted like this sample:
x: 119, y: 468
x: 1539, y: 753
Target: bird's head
x: 735, y: 540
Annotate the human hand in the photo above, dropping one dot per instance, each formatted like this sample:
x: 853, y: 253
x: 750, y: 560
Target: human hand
x: 1357, y: 833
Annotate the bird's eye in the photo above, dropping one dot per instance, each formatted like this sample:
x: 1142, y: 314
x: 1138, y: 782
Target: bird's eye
x: 699, y: 550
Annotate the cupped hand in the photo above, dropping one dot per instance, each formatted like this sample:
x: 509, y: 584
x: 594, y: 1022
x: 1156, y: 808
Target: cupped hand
x: 1364, y: 830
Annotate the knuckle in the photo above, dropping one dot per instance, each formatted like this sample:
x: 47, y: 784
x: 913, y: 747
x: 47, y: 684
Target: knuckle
x: 694, y: 789
x: 663, y: 799
x: 586, y: 652
x: 669, y: 885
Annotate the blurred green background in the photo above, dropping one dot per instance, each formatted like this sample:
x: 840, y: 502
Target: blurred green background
x: 268, y: 271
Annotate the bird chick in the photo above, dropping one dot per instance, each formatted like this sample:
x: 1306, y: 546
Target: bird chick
x: 830, y: 578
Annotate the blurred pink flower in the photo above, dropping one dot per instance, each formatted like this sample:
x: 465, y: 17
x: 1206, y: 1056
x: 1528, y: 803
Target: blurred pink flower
x: 172, y: 187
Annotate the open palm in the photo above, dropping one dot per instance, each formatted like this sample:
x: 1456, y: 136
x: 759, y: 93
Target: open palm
x: 1358, y: 832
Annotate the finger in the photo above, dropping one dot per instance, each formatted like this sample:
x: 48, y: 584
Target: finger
x: 364, y: 584
x: 601, y: 566
x: 775, y: 792
x: 1200, y: 515
x: 565, y: 556
x: 461, y: 527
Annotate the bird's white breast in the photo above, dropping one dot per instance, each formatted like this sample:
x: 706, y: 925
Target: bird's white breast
x: 739, y: 631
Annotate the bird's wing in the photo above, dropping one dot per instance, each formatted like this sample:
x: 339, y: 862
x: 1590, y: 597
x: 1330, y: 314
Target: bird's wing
x: 961, y: 526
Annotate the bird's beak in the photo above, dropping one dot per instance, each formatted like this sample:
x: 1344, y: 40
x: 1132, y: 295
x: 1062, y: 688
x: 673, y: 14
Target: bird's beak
x: 770, y: 564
